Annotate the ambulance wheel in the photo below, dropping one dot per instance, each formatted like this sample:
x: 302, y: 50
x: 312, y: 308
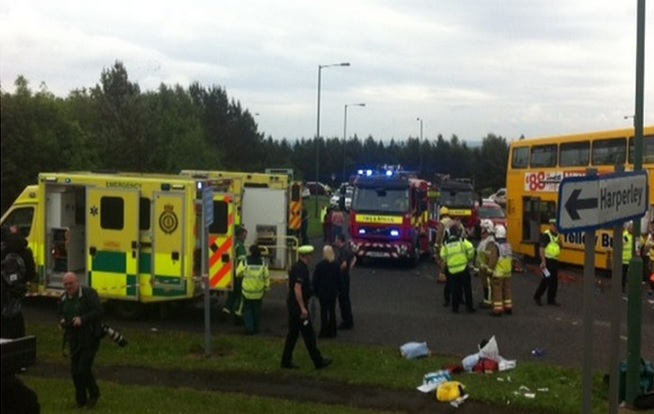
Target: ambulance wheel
x: 127, y: 310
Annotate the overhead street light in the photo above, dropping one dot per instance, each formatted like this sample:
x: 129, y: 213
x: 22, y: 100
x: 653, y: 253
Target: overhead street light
x: 419, y: 145
x: 345, y: 131
x: 320, y: 67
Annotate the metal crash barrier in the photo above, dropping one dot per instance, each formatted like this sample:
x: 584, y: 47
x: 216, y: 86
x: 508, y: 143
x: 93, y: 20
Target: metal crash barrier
x: 273, y: 247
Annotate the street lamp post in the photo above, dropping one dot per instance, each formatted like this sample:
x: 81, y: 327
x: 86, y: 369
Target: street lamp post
x: 345, y: 131
x: 419, y: 145
x: 320, y: 67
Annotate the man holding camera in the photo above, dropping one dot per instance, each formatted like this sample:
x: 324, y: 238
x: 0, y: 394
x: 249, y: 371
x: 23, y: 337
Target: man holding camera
x: 79, y: 313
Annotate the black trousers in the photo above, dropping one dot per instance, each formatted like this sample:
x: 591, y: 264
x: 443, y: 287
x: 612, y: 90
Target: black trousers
x: 82, y: 355
x: 461, y: 286
x: 447, y: 289
x: 295, y: 327
x: 551, y: 283
x: 327, y: 317
x: 344, y: 303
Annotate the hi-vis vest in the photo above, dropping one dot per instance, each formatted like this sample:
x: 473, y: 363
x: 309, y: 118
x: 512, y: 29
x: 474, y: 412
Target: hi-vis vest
x: 323, y: 214
x: 553, y: 249
x: 627, y: 247
x: 240, y: 258
x: 256, y: 280
x: 504, y: 260
x: 457, y: 254
x: 481, y: 260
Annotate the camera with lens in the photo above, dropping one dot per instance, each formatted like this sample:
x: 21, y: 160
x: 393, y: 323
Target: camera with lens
x: 116, y: 336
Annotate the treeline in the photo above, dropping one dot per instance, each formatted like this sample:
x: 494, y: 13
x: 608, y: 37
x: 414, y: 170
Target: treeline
x: 116, y: 126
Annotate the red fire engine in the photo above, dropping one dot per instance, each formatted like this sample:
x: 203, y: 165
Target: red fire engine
x: 389, y: 216
x: 458, y: 195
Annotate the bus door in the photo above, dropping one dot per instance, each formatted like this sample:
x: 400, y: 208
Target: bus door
x: 531, y: 219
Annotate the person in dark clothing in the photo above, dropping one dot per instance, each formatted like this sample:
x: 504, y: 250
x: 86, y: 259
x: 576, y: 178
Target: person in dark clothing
x: 15, y: 396
x: 299, y: 320
x: 346, y: 261
x: 80, y: 313
x: 326, y: 277
x: 18, y: 269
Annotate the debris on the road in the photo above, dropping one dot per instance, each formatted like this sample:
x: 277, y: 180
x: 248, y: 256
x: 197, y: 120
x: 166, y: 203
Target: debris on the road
x: 414, y: 350
x: 524, y: 391
x: 432, y: 380
x: 488, y: 359
x: 452, y: 392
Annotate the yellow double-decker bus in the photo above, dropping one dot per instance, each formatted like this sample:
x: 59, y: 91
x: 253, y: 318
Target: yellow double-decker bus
x: 537, y: 166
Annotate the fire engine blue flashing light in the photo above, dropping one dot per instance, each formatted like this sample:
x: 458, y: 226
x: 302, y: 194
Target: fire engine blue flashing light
x: 362, y: 231
x: 368, y: 173
x: 395, y: 233
x: 389, y: 173
x: 360, y: 172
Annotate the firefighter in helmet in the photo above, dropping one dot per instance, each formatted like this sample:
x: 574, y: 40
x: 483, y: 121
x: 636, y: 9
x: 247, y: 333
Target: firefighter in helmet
x: 500, y: 261
x: 484, y: 272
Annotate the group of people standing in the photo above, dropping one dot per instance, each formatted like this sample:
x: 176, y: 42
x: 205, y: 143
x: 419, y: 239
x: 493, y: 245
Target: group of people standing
x: 492, y: 260
x: 330, y: 283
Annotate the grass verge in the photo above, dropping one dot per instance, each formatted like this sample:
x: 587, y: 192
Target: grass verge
x: 554, y: 389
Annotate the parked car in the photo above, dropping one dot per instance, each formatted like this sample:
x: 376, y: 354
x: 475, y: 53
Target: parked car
x: 499, y: 197
x: 346, y: 190
x: 492, y: 211
x: 318, y: 188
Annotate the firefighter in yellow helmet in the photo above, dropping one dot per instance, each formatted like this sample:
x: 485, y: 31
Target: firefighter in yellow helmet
x: 500, y: 259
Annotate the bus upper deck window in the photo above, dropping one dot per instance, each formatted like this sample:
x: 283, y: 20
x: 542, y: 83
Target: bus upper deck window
x: 609, y: 151
x: 575, y: 154
x: 520, y: 158
x: 543, y: 156
x: 648, y: 149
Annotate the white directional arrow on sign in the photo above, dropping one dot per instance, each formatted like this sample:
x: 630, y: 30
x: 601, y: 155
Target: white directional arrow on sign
x: 593, y: 201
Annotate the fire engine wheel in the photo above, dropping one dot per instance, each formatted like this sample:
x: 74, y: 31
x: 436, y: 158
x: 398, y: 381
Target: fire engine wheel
x: 127, y: 310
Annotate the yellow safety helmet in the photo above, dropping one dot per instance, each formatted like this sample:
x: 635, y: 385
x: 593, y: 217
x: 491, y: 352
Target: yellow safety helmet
x: 444, y: 211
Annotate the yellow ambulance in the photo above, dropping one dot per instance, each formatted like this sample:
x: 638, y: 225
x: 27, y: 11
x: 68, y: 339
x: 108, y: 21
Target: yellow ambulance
x: 136, y: 238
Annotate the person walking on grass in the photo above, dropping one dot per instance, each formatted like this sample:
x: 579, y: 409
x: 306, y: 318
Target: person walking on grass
x: 80, y: 313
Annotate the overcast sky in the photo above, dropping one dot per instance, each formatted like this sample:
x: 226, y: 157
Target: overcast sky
x: 465, y: 67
